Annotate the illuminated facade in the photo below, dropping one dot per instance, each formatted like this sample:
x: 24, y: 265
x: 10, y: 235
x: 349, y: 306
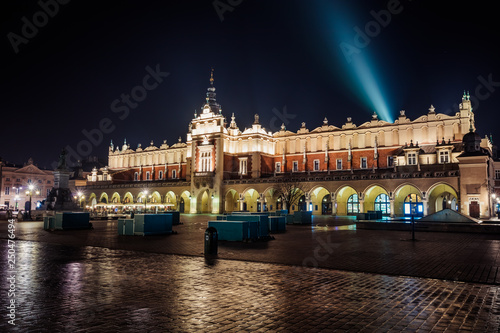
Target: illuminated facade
x: 20, y: 183
x: 410, y: 165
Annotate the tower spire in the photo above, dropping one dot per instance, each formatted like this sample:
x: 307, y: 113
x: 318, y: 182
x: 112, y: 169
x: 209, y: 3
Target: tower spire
x: 212, y: 77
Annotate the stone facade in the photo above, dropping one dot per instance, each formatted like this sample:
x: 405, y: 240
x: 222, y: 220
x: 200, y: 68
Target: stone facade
x: 409, y: 166
x: 16, y: 181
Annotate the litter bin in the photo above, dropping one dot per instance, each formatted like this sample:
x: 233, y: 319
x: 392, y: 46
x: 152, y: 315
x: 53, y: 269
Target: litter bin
x: 211, y: 239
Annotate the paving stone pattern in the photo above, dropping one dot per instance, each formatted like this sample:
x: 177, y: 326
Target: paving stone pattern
x: 97, y: 281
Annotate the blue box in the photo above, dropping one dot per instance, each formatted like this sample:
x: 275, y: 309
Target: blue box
x: 152, y: 224
x: 302, y: 217
x: 70, y: 220
x: 125, y: 226
x: 231, y: 230
x: 261, y: 229
x: 49, y: 222
x: 277, y: 224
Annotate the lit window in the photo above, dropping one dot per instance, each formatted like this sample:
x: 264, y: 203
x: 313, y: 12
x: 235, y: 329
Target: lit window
x: 243, y: 166
x: 353, y: 204
x: 444, y: 156
x: 339, y: 164
x: 497, y: 174
x: 316, y: 165
x: 412, y: 159
x: 382, y: 203
x: 206, y: 161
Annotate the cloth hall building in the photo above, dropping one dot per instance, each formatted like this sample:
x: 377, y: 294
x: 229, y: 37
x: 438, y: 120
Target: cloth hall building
x: 421, y: 166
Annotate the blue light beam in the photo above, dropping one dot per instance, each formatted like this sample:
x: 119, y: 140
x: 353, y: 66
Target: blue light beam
x: 348, y: 43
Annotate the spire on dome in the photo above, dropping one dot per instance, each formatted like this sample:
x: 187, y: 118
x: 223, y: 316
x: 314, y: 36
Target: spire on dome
x: 212, y: 77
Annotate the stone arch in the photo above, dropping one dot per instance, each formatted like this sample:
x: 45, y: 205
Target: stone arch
x: 376, y: 197
x: 231, y: 202
x: 115, y: 198
x: 128, y: 198
x: 203, y: 202
x: 184, y: 202
x: 440, y: 196
x: 271, y: 199
x: 155, y: 198
x: 103, y: 198
x: 342, y: 196
x: 251, y: 199
x: 320, y: 200
x: 92, y: 200
x: 402, y: 194
x: 171, y: 200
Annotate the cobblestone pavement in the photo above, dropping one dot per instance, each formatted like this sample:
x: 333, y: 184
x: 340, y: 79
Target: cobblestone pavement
x: 329, y: 243
x: 97, y: 281
x: 90, y: 289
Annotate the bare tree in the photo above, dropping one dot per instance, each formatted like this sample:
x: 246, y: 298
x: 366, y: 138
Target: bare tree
x: 291, y: 191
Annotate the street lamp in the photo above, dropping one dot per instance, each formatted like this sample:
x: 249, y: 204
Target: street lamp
x: 29, y: 192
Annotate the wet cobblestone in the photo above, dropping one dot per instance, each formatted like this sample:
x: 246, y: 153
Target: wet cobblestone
x: 97, y: 281
x: 91, y: 289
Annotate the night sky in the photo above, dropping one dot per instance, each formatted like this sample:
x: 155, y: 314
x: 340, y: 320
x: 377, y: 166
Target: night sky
x: 280, y: 59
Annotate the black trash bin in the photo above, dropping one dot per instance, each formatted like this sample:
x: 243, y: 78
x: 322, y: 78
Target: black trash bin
x: 211, y: 239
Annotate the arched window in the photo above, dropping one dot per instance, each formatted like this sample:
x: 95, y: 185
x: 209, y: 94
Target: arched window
x: 136, y: 176
x: 382, y: 203
x: 353, y: 204
x: 413, y: 205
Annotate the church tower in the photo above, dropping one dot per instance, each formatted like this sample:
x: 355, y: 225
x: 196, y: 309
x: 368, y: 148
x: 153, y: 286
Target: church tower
x: 207, y: 156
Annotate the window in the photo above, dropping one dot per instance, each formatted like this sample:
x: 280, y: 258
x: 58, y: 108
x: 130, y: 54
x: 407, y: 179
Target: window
x: 364, y: 163
x: 277, y: 167
x: 295, y: 166
x: 17, y: 180
x: 206, y: 161
x: 444, y: 156
x: 497, y: 174
x: 160, y: 175
x: 48, y: 181
x: 353, y: 204
x: 243, y: 166
x: 390, y: 161
x: 383, y: 204
x: 7, y: 179
x: 136, y: 176
x: 316, y: 165
x: 29, y: 181
x: 147, y: 175
x: 39, y: 181
x: 412, y: 158
x: 7, y: 190
x: 174, y: 174
x: 339, y: 164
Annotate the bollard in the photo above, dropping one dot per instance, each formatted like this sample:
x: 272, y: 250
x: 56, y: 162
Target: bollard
x: 211, y: 240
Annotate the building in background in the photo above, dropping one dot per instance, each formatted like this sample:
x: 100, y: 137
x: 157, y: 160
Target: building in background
x: 407, y: 167
x: 19, y: 183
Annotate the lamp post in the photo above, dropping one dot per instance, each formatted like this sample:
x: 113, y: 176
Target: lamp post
x: 29, y: 192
